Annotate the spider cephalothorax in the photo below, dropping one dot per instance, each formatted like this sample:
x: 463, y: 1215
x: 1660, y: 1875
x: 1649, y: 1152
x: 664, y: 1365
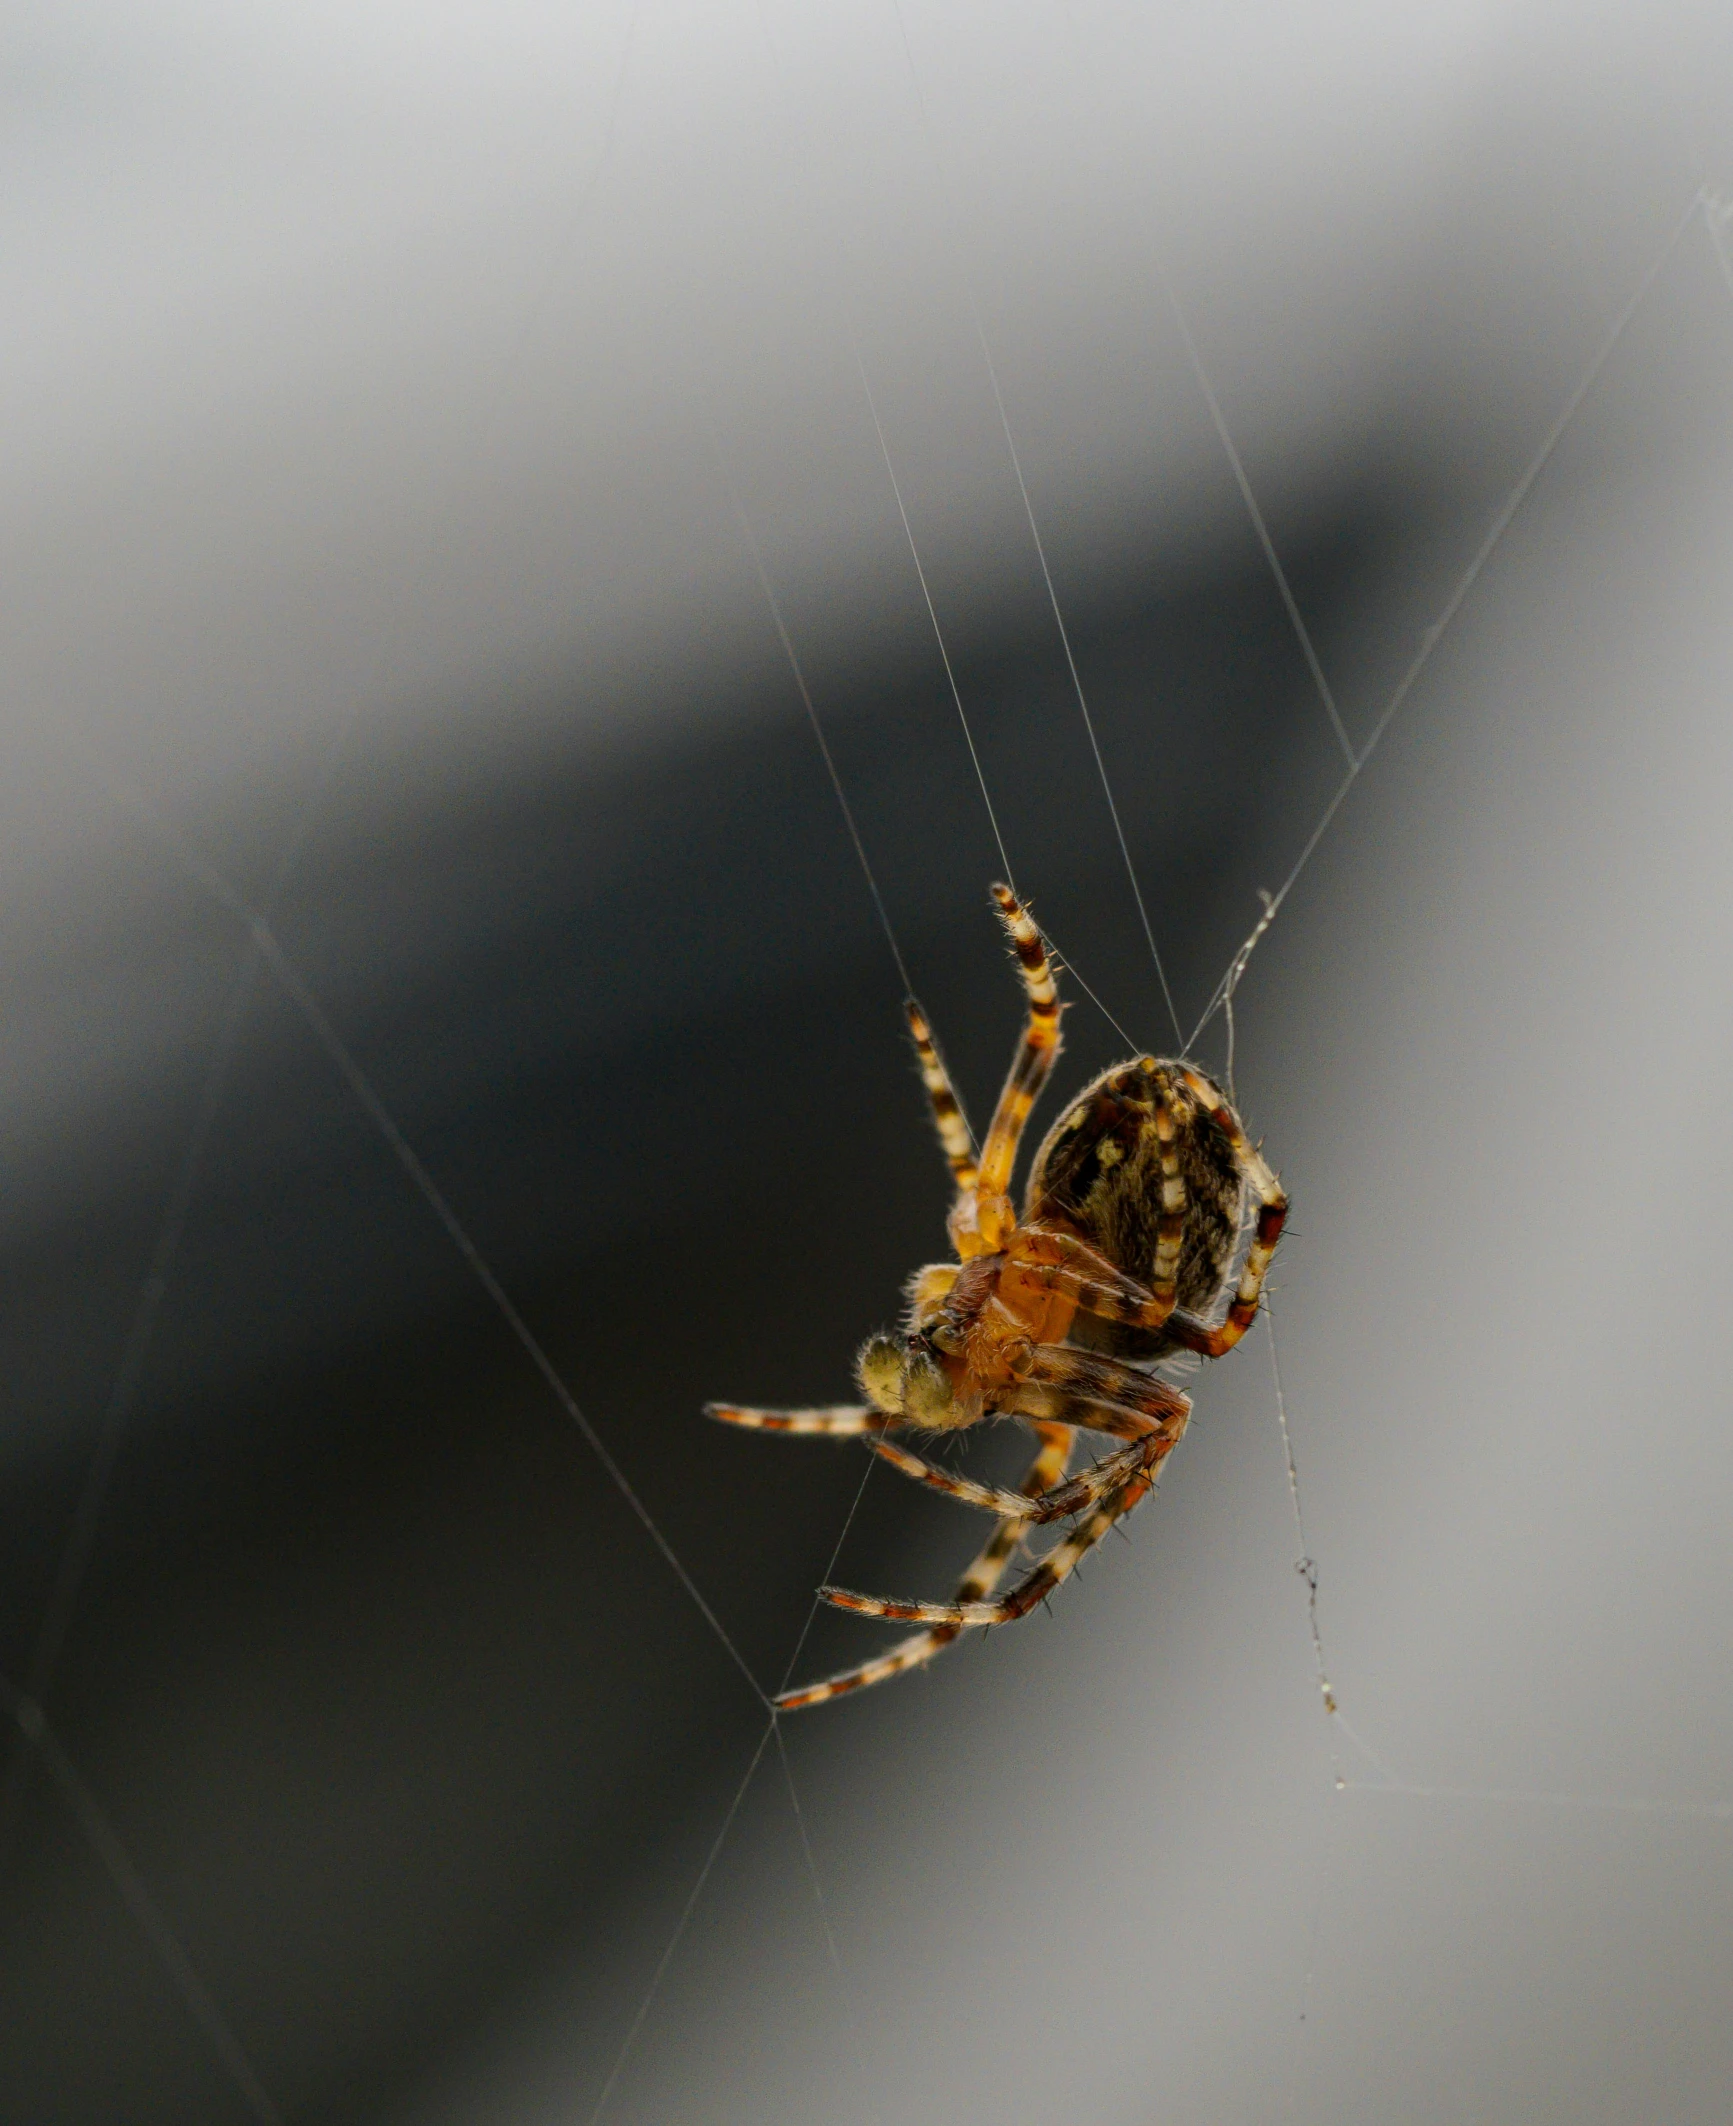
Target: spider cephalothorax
x: 1132, y: 1221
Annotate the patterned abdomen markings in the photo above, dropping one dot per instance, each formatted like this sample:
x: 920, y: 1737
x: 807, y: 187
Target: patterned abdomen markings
x: 1107, y: 1169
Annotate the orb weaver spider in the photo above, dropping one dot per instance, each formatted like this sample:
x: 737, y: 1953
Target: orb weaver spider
x: 1132, y: 1221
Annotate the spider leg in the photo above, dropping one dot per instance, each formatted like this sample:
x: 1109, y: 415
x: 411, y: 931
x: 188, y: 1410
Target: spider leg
x: 1150, y: 1446
x: 1084, y: 1388
x: 953, y: 1131
x: 1058, y: 1262
x: 839, y: 1420
x: 990, y: 1496
x: 976, y: 1584
x: 1036, y: 1054
x: 1272, y: 1211
x: 1055, y: 1568
x: 1089, y: 1486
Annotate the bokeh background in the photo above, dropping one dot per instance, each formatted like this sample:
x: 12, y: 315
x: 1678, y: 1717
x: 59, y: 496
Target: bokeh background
x: 388, y: 389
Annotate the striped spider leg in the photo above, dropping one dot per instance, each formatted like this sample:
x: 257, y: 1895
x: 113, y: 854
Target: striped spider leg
x: 1094, y: 1394
x: 1045, y: 1471
x: 834, y: 1420
x: 1126, y: 1254
x: 1077, y: 1389
x: 1054, y: 1569
x: 982, y: 1215
x: 948, y: 1119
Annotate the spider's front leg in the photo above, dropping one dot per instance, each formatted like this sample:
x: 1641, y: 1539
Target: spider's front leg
x: 983, y: 1217
x: 839, y: 1420
x: 948, y: 1118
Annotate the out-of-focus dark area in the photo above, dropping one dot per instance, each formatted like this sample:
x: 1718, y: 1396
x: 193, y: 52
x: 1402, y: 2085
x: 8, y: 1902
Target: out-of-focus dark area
x: 390, y: 391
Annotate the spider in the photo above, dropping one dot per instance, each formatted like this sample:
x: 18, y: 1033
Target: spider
x: 1131, y: 1224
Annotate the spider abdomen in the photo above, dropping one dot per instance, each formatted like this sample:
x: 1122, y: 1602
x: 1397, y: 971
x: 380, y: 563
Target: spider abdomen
x: 1100, y: 1171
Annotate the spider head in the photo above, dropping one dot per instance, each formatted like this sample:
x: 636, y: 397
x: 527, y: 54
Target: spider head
x: 902, y: 1376
x: 879, y: 1369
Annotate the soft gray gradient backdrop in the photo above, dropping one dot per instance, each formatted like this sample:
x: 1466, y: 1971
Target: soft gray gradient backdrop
x: 368, y: 545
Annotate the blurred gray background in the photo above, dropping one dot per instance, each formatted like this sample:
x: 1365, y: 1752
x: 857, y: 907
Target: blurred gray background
x: 386, y: 387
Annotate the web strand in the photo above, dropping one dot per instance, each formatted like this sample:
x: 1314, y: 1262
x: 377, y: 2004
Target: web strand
x: 80, y: 1542
x: 41, y: 1742
x: 858, y: 362
x: 1435, y: 634
x: 78, y: 1548
x: 932, y: 610
x: 289, y: 980
x: 1314, y: 1939
x: 1717, y: 216
x: 1039, y: 544
x: 587, y: 194
x: 846, y: 318
x: 805, y: 692
x: 799, y: 1646
x: 36, y: 1738
x: 298, y: 993
x: 685, y: 1920
x: 1077, y: 680
x: 772, y: 1727
x: 1304, y: 1564
x: 292, y: 985
x: 831, y: 1950
x: 1224, y: 436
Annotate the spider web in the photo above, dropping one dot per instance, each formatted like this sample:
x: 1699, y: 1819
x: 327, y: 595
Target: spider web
x: 1360, y: 1771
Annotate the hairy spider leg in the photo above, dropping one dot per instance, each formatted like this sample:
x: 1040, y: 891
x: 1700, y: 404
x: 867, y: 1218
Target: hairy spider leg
x: 978, y: 1582
x: 840, y: 1420
x: 1037, y: 1052
x: 1059, y: 1262
x: 1077, y: 1389
x: 1075, y: 1495
x: 1124, y: 1400
x: 1054, y: 1569
x: 959, y: 1146
x: 993, y: 1498
x: 1099, y: 1481
x: 1272, y: 1212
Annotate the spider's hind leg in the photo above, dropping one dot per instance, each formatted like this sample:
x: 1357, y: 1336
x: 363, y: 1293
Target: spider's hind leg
x: 1036, y: 1053
x: 977, y: 1583
x: 982, y: 1218
x: 1055, y: 1568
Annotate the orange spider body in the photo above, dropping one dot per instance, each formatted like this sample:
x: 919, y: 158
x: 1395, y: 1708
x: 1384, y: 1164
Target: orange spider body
x: 1132, y: 1220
